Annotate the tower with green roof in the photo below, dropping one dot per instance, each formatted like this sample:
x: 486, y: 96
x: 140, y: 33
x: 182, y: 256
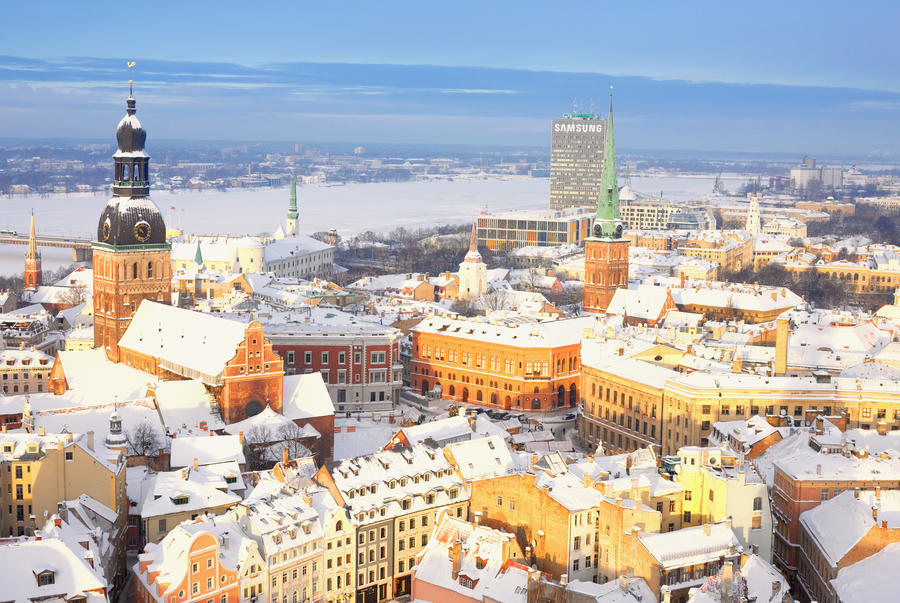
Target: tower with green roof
x: 605, y: 251
x: 290, y: 225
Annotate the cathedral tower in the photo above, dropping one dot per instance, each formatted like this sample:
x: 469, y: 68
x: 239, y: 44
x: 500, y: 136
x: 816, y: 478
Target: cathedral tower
x: 33, y: 274
x: 131, y: 254
x: 606, y: 252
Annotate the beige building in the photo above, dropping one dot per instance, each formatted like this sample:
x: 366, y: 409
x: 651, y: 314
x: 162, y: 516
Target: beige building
x: 25, y: 371
x: 173, y: 497
x: 394, y: 497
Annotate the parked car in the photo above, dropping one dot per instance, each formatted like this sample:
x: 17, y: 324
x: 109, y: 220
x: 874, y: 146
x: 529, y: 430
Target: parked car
x: 570, y: 416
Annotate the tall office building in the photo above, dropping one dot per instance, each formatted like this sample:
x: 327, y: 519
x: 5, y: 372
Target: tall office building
x: 576, y: 160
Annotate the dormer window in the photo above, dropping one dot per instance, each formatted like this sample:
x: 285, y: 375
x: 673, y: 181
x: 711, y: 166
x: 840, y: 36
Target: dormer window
x: 32, y: 448
x: 230, y: 479
x: 46, y: 578
x: 181, y: 499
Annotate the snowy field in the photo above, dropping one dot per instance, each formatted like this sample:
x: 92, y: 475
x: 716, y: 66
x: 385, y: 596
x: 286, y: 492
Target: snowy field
x: 350, y: 209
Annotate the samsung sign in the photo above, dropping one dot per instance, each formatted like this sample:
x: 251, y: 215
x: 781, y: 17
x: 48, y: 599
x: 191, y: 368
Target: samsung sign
x: 566, y: 127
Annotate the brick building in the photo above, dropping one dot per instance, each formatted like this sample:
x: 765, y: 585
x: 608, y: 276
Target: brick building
x: 235, y: 361
x: 131, y: 254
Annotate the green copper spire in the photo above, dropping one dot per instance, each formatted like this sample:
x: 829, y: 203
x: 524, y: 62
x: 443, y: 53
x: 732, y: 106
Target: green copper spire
x: 292, y: 205
x: 198, y: 257
x: 607, y: 225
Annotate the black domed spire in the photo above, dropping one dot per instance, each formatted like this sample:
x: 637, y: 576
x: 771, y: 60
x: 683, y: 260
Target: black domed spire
x: 130, y: 134
x: 131, y: 218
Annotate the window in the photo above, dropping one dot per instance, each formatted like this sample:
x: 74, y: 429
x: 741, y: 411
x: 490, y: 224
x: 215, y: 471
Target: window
x: 342, y: 358
x: 195, y: 568
x: 711, y: 494
x: 376, y: 358
x: 290, y: 357
x: 687, y: 495
x: 324, y: 357
x: 757, y: 503
x: 756, y: 522
x: 499, y: 501
x: 687, y: 517
x: 705, y: 409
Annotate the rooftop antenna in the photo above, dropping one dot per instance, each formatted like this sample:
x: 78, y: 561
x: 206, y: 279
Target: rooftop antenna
x: 592, y: 105
x: 574, y: 105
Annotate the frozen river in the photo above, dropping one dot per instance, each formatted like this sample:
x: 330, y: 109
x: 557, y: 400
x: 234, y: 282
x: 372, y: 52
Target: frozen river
x: 350, y: 209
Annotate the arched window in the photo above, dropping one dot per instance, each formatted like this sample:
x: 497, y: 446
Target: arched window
x: 757, y: 503
x: 149, y: 269
x: 134, y: 270
x: 478, y: 395
x: 452, y: 391
x: 339, y: 526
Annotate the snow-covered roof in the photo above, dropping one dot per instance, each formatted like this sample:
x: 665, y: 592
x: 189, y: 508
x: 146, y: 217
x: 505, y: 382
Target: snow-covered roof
x: 169, y: 486
x: 72, y: 575
x: 183, y: 338
x: 294, y: 246
x: 644, y: 302
x: 690, y: 546
x: 186, y: 407
x: 92, y: 378
x: 306, y: 396
x: 518, y: 333
x: 481, y: 556
x: 873, y: 580
x: 483, y: 458
x: 622, y: 590
x: 837, y: 525
x: 206, y: 449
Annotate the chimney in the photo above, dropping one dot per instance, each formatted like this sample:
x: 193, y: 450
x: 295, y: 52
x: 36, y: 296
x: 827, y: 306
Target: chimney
x: 90, y: 440
x: 682, y: 279
x: 707, y: 530
x: 284, y: 455
x: 621, y: 351
x: 856, y: 493
x: 878, y: 492
x: 456, y: 557
x: 666, y: 594
x: 57, y: 521
x: 623, y: 581
x: 471, y: 419
x: 477, y: 518
x: 819, y: 469
x: 782, y: 332
x: 196, y: 463
x: 727, y: 576
x: 875, y: 513
x: 564, y: 579
x: 241, y: 437
x: 41, y: 431
x: 588, y: 481
x: 884, y: 524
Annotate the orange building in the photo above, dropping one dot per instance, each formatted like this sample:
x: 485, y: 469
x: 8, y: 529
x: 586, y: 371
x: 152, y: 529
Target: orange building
x: 200, y: 560
x: 512, y: 365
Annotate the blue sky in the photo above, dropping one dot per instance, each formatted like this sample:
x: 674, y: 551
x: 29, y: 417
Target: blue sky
x: 816, y: 77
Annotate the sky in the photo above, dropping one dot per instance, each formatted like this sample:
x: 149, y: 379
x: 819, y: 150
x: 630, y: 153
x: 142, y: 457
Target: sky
x: 762, y: 77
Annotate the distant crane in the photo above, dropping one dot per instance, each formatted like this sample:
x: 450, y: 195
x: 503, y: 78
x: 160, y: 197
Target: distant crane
x: 717, y: 185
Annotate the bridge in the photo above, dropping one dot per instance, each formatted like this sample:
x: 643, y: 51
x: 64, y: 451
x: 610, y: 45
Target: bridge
x: 81, y: 247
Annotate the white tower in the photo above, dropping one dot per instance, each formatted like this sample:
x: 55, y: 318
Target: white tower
x: 472, y: 271
x: 753, y: 226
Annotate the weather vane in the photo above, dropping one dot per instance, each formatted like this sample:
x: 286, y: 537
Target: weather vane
x: 130, y: 82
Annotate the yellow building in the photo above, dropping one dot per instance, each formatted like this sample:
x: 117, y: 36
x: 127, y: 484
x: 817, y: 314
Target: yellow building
x: 732, y: 250
x: 39, y: 470
x: 716, y: 487
x: 632, y: 401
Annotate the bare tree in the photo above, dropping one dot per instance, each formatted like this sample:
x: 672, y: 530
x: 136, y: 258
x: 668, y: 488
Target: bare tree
x: 498, y: 299
x: 143, y: 440
x: 257, y: 440
x: 291, y: 437
x: 74, y: 295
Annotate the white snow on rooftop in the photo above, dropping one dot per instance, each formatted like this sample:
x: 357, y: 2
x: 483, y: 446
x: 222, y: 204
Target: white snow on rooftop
x: 206, y: 449
x: 873, y: 580
x: 183, y: 338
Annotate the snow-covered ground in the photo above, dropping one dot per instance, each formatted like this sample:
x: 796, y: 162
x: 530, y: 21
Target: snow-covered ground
x: 350, y: 209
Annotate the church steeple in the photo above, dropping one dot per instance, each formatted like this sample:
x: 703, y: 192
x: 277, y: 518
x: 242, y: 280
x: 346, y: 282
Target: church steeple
x: 607, y: 224
x: 33, y: 273
x: 292, y: 214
